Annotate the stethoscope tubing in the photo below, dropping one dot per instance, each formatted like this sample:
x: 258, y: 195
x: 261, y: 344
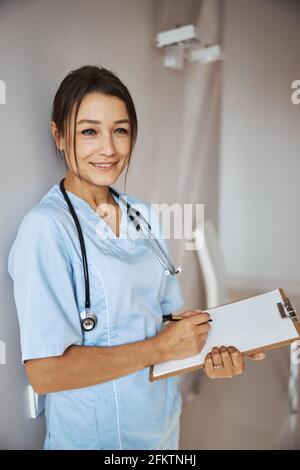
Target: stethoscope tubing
x: 170, y: 269
x: 82, y: 246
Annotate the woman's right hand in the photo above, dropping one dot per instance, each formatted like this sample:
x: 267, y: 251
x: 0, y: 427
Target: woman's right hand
x: 187, y: 337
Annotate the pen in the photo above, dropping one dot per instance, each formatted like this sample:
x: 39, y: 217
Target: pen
x: 170, y: 317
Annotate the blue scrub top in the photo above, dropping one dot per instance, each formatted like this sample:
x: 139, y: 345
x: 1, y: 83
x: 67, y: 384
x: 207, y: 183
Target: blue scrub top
x: 129, y: 293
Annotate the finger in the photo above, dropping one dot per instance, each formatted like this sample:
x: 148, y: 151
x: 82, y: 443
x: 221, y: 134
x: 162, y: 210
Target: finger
x: 226, y: 359
x: 202, y: 329
x: 202, y: 338
x: 237, y: 360
x: 194, y: 317
x: 187, y: 314
x: 190, y: 313
x: 199, y: 318
x: 209, y: 366
x: 257, y: 356
x: 217, y: 358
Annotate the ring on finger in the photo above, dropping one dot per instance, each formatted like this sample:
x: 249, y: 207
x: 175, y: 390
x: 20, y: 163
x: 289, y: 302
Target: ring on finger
x: 218, y: 366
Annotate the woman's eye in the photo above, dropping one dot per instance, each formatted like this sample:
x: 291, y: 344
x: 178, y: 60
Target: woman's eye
x: 93, y: 132
x: 87, y: 130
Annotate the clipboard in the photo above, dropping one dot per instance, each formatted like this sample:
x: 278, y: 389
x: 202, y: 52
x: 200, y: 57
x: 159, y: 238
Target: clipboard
x: 254, y: 324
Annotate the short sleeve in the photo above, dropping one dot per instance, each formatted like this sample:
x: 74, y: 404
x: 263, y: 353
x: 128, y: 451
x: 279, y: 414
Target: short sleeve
x: 170, y: 295
x: 41, y: 269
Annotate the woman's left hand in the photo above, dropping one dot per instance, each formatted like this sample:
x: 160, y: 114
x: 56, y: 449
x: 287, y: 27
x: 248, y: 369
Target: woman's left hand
x: 224, y: 362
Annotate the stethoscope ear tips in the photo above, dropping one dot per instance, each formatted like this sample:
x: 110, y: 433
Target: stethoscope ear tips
x: 178, y: 270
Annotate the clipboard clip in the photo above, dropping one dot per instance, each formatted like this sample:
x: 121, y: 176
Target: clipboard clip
x: 286, y: 310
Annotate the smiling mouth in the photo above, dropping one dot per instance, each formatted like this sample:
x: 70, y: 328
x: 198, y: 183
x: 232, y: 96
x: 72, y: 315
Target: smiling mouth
x: 103, y: 166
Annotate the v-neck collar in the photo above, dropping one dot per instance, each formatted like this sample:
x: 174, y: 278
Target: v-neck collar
x: 81, y: 204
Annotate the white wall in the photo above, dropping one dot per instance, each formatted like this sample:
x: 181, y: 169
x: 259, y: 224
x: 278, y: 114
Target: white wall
x: 260, y: 144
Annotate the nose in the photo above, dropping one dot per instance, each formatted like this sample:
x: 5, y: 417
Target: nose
x: 106, y: 145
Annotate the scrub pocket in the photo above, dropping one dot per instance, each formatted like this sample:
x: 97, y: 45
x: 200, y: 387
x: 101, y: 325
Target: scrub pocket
x: 71, y: 420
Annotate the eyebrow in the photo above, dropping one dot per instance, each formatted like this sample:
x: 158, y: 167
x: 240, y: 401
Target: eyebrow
x: 92, y: 121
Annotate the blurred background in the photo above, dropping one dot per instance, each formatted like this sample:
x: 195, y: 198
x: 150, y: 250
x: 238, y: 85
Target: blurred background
x: 223, y: 133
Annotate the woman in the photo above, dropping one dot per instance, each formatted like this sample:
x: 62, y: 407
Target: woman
x: 96, y: 375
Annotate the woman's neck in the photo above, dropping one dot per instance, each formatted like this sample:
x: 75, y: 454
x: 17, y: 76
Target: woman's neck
x: 94, y: 195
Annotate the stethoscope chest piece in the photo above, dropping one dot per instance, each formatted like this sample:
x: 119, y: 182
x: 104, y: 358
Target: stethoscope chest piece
x: 88, y: 320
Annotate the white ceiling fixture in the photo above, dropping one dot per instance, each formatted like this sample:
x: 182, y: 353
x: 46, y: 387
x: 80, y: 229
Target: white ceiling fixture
x: 183, y: 42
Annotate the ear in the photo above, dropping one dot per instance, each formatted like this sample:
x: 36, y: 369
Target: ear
x: 58, y: 139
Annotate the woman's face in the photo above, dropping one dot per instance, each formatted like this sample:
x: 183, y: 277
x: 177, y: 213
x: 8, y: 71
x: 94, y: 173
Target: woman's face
x: 102, y: 136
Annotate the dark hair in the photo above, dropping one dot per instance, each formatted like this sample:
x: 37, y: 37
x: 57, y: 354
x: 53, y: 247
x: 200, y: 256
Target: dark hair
x: 75, y: 86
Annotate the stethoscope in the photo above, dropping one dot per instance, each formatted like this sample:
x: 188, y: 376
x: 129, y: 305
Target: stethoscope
x: 88, y: 319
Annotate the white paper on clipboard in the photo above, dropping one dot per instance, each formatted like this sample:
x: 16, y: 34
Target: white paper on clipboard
x: 247, y: 324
